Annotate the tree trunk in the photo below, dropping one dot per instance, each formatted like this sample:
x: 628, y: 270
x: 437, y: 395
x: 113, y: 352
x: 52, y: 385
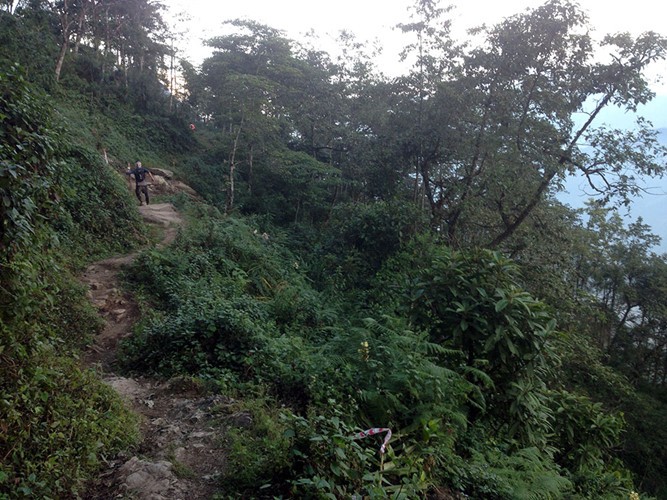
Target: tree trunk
x: 61, y: 58
x: 171, y: 77
x: 65, y: 27
x: 250, y: 159
x: 107, y: 38
x: 296, y: 214
x: 232, y: 168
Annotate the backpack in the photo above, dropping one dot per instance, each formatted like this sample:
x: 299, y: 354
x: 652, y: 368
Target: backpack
x: 140, y: 175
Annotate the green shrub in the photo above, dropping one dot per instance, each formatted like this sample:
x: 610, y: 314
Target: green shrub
x: 98, y: 217
x: 358, y: 239
x: 396, y: 375
x: 331, y: 460
x: 57, y: 423
x: 258, y: 452
x: 326, y: 462
x: 643, y: 443
x: 28, y: 162
x: 29, y: 40
x: 204, y: 334
x: 497, y: 473
x: 472, y: 302
x: 223, y: 297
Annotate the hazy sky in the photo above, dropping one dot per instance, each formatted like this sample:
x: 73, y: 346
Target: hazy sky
x: 371, y: 19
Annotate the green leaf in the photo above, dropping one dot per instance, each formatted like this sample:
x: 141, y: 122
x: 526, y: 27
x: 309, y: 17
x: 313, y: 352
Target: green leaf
x: 341, y: 453
x: 501, y: 305
x: 335, y: 469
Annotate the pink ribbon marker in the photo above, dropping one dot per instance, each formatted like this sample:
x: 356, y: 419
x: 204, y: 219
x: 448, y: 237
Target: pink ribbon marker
x: 373, y: 432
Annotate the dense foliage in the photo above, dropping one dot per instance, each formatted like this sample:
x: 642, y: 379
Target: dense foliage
x: 57, y: 420
x: 456, y: 358
x: 371, y: 252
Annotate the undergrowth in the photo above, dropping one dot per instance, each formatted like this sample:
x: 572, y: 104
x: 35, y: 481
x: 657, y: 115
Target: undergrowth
x: 233, y: 307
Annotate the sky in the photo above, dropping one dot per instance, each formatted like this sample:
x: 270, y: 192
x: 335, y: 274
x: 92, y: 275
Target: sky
x: 374, y: 20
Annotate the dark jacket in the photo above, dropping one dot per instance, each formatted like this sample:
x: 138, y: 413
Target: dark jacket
x: 139, y: 173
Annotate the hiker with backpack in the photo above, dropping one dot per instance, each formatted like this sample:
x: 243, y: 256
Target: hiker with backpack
x: 139, y: 172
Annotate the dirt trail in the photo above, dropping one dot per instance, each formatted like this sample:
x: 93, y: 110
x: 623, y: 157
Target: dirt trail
x: 180, y: 455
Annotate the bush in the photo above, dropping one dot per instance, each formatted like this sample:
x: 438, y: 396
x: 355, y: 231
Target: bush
x: 57, y: 423
x: 358, y: 239
x: 258, y: 456
x: 498, y: 473
x: 97, y: 214
x: 225, y: 300
x: 471, y: 302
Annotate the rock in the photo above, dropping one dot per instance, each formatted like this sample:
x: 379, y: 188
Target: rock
x: 162, y: 172
x: 197, y: 416
x: 160, y: 469
x: 241, y: 419
x: 171, y: 429
x: 147, y: 479
x: 128, y: 388
x: 160, y: 181
x: 180, y: 454
x: 201, y: 435
x: 179, y: 186
x: 162, y: 213
x: 143, y: 481
x: 167, y: 436
x: 182, y: 384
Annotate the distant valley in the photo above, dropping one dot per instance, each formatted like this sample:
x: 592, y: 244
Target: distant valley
x: 651, y: 207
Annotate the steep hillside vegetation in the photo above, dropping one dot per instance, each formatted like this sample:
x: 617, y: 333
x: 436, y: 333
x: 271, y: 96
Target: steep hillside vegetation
x: 371, y: 255
x: 61, y: 204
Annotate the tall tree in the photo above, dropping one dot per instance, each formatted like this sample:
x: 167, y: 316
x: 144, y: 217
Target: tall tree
x: 243, y: 77
x: 433, y: 53
x: 262, y: 96
x: 501, y: 134
x: 72, y: 15
x: 629, y: 282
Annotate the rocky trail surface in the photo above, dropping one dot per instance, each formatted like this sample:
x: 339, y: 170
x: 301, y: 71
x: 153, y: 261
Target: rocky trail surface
x: 180, y: 454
